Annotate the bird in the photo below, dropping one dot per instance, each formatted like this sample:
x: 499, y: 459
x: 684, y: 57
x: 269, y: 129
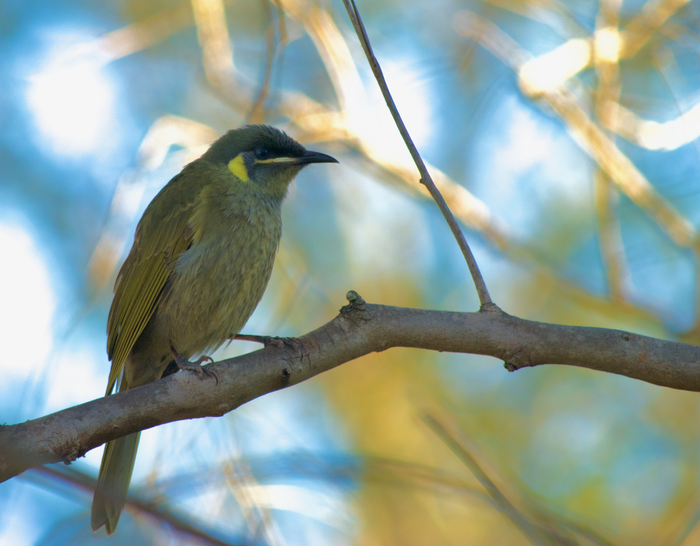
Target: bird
x: 201, y: 259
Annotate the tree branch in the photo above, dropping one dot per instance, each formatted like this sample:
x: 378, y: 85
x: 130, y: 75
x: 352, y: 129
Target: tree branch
x: 359, y: 329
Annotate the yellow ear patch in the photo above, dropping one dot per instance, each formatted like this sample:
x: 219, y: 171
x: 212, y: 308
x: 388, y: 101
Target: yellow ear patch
x: 238, y: 168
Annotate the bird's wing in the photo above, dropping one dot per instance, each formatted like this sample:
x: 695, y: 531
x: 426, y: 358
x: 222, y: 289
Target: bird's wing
x: 161, y: 236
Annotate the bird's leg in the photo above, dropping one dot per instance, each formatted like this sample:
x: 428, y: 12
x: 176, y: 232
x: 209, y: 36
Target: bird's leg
x: 278, y: 342
x: 195, y: 367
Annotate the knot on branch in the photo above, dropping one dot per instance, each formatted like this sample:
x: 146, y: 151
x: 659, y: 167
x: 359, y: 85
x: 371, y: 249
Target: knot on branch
x: 516, y: 359
x: 69, y: 452
x: 356, y: 308
x: 356, y: 303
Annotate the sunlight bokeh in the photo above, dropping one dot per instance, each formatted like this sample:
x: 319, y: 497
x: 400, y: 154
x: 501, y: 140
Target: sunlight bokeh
x: 28, y: 305
x: 72, y: 99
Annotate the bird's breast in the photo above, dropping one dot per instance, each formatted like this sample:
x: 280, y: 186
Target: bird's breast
x: 218, y: 281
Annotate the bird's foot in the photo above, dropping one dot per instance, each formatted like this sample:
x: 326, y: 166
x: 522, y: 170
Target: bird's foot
x: 195, y: 367
x: 275, y: 341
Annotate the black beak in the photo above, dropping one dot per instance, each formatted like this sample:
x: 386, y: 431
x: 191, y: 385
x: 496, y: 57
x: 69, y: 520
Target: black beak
x: 316, y: 157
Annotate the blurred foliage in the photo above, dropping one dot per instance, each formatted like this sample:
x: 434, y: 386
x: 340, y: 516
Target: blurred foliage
x: 564, y: 138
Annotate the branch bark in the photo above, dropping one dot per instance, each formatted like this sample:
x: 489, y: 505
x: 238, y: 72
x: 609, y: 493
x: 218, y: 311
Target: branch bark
x: 359, y: 329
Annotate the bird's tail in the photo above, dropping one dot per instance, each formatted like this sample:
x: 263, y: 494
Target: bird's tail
x: 113, y: 482
x: 117, y: 466
x: 120, y: 454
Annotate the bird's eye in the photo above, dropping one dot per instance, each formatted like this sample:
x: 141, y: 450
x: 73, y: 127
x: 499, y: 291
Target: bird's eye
x: 262, y: 153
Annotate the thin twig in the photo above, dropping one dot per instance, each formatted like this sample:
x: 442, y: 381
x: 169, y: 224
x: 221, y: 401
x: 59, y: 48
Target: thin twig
x: 606, y: 194
x: 535, y: 533
x: 550, y: 527
x: 153, y: 509
x: 426, y: 179
x: 257, y: 110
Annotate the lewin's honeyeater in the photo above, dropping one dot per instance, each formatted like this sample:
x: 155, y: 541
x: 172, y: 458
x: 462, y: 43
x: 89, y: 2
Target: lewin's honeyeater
x: 201, y: 259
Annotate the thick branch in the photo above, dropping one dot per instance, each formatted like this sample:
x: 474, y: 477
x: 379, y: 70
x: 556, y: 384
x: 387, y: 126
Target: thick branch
x: 358, y: 330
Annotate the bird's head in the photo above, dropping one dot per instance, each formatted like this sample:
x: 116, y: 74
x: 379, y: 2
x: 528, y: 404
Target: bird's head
x: 264, y: 156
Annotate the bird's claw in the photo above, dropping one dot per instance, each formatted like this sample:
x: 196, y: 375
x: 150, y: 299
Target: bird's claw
x: 280, y: 342
x: 195, y: 367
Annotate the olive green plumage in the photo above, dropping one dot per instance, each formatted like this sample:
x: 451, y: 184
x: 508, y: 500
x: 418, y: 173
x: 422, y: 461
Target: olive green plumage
x: 201, y: 259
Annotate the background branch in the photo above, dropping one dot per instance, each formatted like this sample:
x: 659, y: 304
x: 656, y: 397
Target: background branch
x: 359, y: 329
